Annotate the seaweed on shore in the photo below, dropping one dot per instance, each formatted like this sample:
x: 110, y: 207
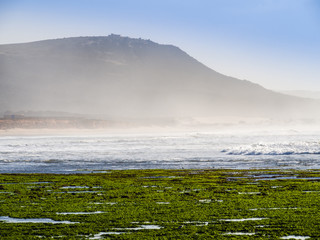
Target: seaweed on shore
x: 161, y: 204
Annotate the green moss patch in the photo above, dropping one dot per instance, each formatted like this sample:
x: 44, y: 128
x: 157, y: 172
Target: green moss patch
x: 161, y: 204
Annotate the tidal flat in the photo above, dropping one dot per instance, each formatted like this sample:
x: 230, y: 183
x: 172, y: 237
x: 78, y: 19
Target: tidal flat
x: 162, y: 204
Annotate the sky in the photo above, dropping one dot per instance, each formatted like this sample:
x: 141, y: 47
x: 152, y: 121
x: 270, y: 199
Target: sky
x: 274, y: 43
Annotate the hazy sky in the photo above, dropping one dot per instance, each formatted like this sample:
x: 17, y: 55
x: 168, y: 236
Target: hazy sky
x: 275, y: 43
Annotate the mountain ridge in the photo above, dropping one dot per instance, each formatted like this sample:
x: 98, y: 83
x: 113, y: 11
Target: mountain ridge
x: 128, y: 77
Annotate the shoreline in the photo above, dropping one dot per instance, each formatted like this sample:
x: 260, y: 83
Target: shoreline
x: 156, y: 130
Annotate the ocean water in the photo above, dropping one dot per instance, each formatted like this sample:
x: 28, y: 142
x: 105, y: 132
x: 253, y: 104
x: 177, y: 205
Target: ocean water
x: 87, y: 153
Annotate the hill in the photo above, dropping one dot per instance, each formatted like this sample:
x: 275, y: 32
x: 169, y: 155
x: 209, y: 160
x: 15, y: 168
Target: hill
x: 122, y: 77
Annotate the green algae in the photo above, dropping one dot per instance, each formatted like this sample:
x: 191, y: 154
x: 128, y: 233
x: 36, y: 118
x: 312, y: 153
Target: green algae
x: 162, y: 204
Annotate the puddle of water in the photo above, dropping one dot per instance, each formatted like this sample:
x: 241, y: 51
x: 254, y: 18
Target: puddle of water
x: 32, y: 220
x: 185, y: 191
x: 78, y: 192
x: 100, y: 235
x: 79, y: 213
x: 242, y: 219
x: 198, y: 223
x: 28, y: 183
x: 162, y: 177
x: 286, y: 178
x: 266, y: 175
x: 205, y: 200
x: 74, y: 187
x: 142, y: 227
x: 39, y: 183
x: 277, y: 178
x: 295, y: 237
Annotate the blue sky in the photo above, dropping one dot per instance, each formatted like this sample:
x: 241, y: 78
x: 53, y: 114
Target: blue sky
x: 275, y: 43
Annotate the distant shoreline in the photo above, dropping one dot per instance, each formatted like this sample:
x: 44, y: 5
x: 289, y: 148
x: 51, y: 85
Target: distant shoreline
x: 51, y: 122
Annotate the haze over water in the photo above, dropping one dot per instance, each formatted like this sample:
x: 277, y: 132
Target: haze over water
x: 176, y: 150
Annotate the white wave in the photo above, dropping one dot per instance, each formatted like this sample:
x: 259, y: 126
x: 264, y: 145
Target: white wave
x: 69, y: 153
x: 291, y: 148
